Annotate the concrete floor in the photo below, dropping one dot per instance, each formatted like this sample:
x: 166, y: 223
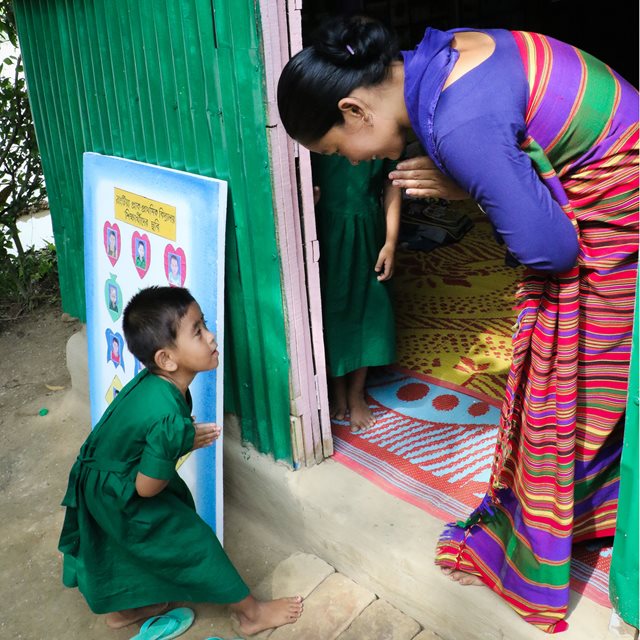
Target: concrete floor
x: 382, y: 543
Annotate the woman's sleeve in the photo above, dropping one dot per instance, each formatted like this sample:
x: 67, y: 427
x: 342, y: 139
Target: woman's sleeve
x: 483, y: 157
x: 167, y: 440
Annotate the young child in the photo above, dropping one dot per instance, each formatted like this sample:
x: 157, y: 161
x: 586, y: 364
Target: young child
x: 132, y: 540
x: 357, y: 218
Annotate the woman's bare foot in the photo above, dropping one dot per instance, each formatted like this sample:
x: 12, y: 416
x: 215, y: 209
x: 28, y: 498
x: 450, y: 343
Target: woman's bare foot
x: 338, y: 398
x: 463, y: 578
x: 255, y: 616
x: 119, y: 619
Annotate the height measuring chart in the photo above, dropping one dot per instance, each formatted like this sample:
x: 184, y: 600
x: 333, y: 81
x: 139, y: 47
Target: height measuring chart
x: 146, y: 225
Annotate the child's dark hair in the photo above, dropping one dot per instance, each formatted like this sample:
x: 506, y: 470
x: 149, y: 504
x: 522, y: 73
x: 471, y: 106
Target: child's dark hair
x: 151, y: 318
x: 345, y: 53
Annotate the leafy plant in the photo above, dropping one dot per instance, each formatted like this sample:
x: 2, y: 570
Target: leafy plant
x: 28, y: 282
x: 21, y: 180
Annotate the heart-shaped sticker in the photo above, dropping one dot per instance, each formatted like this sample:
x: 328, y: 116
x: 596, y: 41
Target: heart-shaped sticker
x: 111, y: 233
x: 175, y: 265
x: 141, y: 252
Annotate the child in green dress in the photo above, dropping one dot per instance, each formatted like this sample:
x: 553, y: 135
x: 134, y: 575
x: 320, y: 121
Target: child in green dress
x: 132, y: 540
x: 358, y: 219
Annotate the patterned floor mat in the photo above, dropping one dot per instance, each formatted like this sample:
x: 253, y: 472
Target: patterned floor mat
x: 454, y: 310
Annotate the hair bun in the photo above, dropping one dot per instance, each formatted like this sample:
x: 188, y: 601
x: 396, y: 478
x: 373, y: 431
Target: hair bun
x: 357, y: 42
x: 346, y: 53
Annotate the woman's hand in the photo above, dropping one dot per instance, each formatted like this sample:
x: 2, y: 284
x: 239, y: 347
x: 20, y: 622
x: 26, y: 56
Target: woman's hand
x: 206, y: 434
x: 386, y: 262
x: 421, y: 178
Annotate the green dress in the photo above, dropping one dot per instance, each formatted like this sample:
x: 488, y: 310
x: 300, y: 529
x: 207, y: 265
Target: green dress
x: 124, y: 551
x: 359, y: 326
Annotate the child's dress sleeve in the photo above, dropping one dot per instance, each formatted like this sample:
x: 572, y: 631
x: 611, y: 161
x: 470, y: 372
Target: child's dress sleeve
x: 167, y: 439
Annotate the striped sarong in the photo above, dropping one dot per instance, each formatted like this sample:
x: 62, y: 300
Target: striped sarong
x: 556, y: 469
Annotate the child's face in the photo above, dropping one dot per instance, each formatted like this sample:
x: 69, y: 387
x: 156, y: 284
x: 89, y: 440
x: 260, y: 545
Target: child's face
x: 113, y: 295
x: 140, y: 250
x: 115, y: 348
x: 195, y: 347
x: 174, y: 265
x: 112, y: 241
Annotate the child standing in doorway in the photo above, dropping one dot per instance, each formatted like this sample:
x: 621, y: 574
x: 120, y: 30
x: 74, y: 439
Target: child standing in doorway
x: 358, y: 219
x: 132, y: 540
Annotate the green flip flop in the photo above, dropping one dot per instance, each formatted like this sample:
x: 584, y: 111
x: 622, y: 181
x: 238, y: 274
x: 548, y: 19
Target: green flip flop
x: 166, y: 626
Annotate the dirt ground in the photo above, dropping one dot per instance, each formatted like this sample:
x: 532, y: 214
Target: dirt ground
x: 36, y: 454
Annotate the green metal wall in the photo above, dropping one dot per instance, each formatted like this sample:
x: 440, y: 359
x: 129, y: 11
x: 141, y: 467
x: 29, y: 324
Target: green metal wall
x: 177, y: 83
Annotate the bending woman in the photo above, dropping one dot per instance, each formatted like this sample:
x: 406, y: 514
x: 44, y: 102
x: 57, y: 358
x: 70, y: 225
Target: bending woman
x: 544, y: 137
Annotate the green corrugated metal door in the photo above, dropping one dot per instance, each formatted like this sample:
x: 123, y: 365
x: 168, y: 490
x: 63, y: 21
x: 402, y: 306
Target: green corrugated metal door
x: 177, y: 83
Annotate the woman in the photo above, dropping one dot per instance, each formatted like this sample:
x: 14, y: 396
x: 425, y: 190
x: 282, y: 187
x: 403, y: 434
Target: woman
x: 545, y: 138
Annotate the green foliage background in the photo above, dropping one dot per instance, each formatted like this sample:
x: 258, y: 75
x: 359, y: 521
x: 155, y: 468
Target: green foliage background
x: 28, y: 277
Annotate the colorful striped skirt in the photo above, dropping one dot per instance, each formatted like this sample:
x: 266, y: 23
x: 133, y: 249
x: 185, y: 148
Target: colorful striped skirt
x: 556, y: 468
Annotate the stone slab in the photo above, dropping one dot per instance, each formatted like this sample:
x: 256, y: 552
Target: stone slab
x: 425, y: 634
x: 298, y: 575
x: 381, y: 621
x: 78, y: 363
x: 328, y: 610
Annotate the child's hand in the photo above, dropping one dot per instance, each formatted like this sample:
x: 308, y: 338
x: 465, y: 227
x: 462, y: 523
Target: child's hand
x: 386, y: 262
x: 206, y: 434
x: 316, y: 195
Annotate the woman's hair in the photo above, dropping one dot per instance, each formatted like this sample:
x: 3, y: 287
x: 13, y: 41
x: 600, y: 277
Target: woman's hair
x: 345, y: 53
x: 151, y: 320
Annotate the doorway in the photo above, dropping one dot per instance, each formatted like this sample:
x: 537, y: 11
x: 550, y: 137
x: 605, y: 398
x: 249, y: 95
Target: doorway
x: 286, y: 26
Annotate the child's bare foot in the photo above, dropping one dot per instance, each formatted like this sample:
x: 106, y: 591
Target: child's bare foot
x: 463, y: 578
x: 119, y: 619
x: 254, y: 615
x: 338, y: 398
x: 360, y: 414
x: 338, y: 412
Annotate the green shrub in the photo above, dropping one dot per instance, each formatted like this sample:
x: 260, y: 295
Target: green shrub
x: 21, y: 181
x: 27, y: 282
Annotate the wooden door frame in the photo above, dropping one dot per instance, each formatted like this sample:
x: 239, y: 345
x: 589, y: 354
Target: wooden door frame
x: 281, y: 29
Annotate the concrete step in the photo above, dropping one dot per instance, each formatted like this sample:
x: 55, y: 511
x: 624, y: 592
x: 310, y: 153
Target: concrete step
x: 381, y: 542
x: 335, y: 607
x: 381, y: 621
